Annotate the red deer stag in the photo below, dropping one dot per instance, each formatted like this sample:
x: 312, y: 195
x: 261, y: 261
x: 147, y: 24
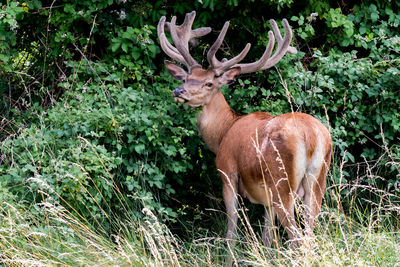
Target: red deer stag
x: 268, y: 159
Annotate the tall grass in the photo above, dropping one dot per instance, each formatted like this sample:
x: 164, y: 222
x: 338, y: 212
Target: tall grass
x: 55, y: 236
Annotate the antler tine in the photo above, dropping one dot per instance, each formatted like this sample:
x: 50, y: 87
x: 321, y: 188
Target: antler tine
x: 291, y: 49
x: 181, y: 35
x: 266, y: 62
x: 283, y: 45
x: 179, y: 41
x: 166, y: 46
x: 220, y: 66
x: 252, y: 67
x: 214, y: 63
x: 233, y: 61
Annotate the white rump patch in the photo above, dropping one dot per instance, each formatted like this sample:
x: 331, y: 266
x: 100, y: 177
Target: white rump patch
x: 300, y: 163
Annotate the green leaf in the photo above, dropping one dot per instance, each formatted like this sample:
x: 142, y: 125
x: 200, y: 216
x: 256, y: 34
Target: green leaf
x: 139, y: 148
x: 124, y: 47
x: 374, y: 17
x: 136, y: 53
x: 115, y: 45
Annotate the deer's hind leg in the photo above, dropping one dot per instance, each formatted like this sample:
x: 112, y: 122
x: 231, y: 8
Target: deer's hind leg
x: 268, y: 232
x: 284, y: 208
x: 314, y: 188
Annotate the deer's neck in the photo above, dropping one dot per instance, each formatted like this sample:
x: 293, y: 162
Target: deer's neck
x: 215, y: 120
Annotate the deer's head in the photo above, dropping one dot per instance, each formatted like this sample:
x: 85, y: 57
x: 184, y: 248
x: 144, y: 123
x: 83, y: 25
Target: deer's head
x: 201, y: 85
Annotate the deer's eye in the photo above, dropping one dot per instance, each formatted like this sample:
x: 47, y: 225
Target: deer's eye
x: 209, y: 84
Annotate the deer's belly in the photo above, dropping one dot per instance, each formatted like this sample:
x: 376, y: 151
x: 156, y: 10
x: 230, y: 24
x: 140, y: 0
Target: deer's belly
x: 257, y: 193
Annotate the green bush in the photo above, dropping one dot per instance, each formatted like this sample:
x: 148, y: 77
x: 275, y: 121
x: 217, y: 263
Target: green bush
x: 101, y: 138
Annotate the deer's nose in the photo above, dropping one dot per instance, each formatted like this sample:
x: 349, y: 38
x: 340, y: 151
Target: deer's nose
x: 178, y: 91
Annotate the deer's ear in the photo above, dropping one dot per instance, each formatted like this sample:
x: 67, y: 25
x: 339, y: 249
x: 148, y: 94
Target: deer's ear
x: 176, y: 71
x: 229, y: 76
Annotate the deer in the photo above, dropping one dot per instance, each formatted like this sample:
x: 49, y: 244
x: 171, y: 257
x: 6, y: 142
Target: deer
x: 270, y: 160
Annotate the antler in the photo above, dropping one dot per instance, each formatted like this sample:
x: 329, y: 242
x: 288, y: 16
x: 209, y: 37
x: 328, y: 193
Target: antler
x: 264, y: 62
x: 181, y: 35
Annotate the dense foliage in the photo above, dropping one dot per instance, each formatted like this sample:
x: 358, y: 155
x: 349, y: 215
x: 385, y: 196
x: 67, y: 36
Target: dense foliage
x: 86, y: 108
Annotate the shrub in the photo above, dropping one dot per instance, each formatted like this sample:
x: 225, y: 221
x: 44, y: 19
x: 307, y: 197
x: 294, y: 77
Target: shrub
x: 101, y: 138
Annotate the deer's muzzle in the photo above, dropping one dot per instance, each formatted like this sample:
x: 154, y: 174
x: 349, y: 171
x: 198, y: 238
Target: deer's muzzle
x: 178, y: 91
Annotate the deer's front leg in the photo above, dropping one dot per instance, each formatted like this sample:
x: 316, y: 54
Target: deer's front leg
x: 229, y: 193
